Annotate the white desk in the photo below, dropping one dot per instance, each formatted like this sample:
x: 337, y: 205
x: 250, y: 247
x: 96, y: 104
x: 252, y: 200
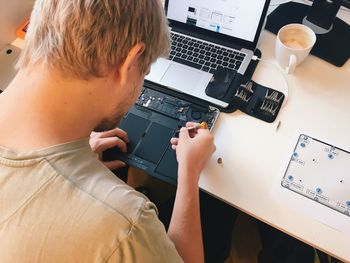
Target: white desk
x: 253, y: 152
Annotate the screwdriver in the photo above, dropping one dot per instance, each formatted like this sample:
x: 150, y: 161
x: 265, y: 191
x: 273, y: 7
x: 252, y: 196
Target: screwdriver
x: 196, y: 126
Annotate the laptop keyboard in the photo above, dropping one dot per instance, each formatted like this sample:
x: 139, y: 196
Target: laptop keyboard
x: 202, y: 55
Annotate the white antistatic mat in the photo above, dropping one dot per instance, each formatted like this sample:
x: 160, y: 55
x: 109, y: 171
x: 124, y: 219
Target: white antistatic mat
x: 315, y: 181
x: 321, y: 172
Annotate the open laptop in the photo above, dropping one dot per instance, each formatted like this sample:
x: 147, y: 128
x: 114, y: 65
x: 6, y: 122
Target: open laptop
x: 208, y: 35
x: 154, y: 119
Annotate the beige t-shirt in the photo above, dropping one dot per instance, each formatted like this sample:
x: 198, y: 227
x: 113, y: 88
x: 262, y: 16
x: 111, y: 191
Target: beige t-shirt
x: 60, y: 204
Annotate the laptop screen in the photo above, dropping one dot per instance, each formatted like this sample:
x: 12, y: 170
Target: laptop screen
x: 234, y: 18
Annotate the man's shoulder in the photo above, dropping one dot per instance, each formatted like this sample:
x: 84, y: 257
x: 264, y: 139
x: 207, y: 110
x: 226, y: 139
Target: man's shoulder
x: 69, y: 193
x: 90, y: 177
x: 113, y: 194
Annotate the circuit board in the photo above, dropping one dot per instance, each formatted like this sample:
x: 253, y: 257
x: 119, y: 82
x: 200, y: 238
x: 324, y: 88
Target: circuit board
x: 176, y: 108
x: 320, y: 172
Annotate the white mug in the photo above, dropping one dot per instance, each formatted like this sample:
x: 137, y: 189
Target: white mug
x: 293, y: 44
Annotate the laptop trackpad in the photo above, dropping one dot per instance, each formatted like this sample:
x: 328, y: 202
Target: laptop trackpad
x: 181, y: 78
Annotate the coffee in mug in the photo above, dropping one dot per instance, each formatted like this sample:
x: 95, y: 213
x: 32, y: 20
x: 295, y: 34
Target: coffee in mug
x: 294, y: 43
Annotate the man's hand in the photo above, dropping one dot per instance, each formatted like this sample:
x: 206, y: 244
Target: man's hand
x: 101, y: 141
x: 193, y: 150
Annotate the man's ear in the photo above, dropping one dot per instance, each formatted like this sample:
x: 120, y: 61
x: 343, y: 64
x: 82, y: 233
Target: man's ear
x: 131, y: 60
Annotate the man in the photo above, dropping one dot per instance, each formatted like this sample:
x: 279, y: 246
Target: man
x: 81, y: 69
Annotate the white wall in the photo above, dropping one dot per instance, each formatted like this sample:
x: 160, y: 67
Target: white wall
x: 12, y: 14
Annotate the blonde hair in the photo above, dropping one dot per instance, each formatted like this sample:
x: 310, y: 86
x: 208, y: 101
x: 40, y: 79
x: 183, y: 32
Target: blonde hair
x: 87, y: 38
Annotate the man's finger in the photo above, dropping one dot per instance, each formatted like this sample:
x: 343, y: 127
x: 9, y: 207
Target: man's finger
x: 191, y: 124
x: 203, y: 131
x: 116, y: 132
x: 174, y: 140
x: 184, y: 135
x: 110, y: 142
x: 114, y: 165
x: 122, y: 134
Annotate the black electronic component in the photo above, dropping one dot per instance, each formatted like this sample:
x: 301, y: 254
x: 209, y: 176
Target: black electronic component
x: 148, y: 149
x: 134, y: 134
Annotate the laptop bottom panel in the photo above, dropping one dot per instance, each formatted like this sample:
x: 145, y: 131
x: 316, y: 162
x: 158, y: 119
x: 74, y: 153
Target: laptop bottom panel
x: 151, y: 123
